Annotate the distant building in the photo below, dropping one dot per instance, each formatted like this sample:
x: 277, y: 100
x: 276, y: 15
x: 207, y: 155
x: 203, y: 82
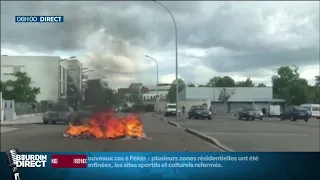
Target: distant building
x: 261, y: 97
x: 93, y: 94
x: 46, y: 72
x: 75, y: 72
x: 163, y: 90
x: 136, y: 86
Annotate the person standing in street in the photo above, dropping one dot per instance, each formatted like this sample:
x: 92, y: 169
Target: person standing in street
x: 183, y: 110
x: 34, y: 109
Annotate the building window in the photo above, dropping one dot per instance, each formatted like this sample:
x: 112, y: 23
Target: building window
x: 7, y: 70
x: 16, y: 69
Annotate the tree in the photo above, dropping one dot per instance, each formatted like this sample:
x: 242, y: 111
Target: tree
x: 317, y: 79
x: 261, y: 85
x: 20, y: 89
x: 288, y: 85
x: 224, y: 97
x: 225, y: 81
x: 111, y: 97
x: 201, y: 85
x: 247, y: 83
x: 191, y: 85
x: 212, y: 82
x: 171, y: 97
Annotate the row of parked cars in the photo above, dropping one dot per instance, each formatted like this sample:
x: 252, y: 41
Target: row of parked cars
x: 251, y: 112
x: 292, y: 113
x: 195, y: 111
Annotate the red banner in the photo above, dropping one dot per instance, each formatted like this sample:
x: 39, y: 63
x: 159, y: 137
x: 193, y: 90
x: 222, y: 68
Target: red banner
x: 69, y: 161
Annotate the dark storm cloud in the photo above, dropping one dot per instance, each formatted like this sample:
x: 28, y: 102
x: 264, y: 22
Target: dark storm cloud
x: 130, y: 21
x: 253, y: 30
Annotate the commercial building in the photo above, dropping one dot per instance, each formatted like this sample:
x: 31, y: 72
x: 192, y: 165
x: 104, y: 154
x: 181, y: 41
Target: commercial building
x: 163, y: 90
x: 46, y: 73
x: 261, y: 97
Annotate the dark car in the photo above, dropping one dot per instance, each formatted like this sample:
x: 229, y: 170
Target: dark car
x: 59, y: 113
x: 199, y: 112
x: 250, y: 113
x: 294, y: 113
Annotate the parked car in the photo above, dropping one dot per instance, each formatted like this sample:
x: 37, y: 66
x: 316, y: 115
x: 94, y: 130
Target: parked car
x: 199, y: 112
x: 294, y: 113
x: 250, y: 113
x: 59, y: 113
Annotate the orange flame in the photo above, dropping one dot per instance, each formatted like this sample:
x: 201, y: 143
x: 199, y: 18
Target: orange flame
x: 106, y: 125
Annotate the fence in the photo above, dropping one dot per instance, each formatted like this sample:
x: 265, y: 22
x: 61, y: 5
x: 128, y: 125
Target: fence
x: 22, y: 108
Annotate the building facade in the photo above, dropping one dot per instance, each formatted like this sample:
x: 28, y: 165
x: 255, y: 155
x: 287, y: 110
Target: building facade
x: 163, y: 90
x: 261, y: 97
x: 75, y: 72
x: 46, y: 73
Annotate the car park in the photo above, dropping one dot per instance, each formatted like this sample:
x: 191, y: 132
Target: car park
x: 199, y: 112
x: 250, y: 113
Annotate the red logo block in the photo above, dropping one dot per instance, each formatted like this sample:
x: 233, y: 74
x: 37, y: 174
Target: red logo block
x: 69, y: 161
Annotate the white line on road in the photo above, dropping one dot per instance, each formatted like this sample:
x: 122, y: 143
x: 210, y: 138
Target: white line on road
x: 255, y: 134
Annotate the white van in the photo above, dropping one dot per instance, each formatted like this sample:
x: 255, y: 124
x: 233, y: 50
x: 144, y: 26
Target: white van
x: 314, y: 109
x: 170, y: 109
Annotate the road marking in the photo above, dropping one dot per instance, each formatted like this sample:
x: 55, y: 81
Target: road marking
x: 256, y: 134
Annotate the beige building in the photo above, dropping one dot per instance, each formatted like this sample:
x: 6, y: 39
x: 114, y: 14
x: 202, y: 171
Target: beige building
x: 46, y: 72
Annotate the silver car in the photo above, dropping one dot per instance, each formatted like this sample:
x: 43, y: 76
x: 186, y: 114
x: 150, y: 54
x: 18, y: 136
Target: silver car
x: 59, y: 113
x: 250, y: 113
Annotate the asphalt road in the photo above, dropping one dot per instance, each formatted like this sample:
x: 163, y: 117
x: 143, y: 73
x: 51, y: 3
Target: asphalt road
x: 268, y: 135
x: 40, y: 137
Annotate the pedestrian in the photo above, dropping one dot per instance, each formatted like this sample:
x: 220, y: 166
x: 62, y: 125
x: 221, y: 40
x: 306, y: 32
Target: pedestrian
x: 264, y: 111
x: 183, y: 110
x: 34, y: 109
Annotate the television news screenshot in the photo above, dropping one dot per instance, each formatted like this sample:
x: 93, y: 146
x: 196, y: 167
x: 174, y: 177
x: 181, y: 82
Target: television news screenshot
x: 160, y: 90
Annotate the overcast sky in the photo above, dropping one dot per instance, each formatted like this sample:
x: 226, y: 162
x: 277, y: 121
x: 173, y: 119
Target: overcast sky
x: 239, y: 39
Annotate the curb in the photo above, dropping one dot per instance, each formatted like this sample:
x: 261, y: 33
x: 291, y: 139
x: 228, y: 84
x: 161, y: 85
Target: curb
x: 208, y: 139
x: 4, y: 131
x: 199, y: 135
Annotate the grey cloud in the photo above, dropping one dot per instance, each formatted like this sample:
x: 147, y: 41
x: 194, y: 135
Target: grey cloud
x: 241, y: 30
x: 267, y: 59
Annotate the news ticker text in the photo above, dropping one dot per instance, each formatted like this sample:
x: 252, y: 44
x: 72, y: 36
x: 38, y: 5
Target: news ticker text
x: 39, y: 19
x: 83, y: 161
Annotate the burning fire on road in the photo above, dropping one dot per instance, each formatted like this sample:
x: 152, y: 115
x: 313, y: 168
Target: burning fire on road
x: 107, y: 125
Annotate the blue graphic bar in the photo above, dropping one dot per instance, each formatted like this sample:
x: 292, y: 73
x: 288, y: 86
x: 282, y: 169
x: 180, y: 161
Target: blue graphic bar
x: 170, y: 165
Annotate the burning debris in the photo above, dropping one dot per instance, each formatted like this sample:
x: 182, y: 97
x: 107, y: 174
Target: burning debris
x: 108, y: 126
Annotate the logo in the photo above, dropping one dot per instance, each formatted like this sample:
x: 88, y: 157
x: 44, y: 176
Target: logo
x: 39, y: 19
x: 31, y: 160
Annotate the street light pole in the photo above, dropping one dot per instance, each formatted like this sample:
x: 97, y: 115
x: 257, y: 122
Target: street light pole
x: 177, y: 80
x: 157, y: 80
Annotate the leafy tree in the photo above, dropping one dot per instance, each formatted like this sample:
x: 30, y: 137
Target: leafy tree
x: 288, y: 85
x: 224, y: 97
x: 314, y: 95
x: 212, y: 82
x: 218, y: 81
x: 317, y: 79
x: 201, y: 85
x: 261, y: 85
x: 191, y: 85
x: 247, y: 83
x: 171, y: 97
x: 20, y: 89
